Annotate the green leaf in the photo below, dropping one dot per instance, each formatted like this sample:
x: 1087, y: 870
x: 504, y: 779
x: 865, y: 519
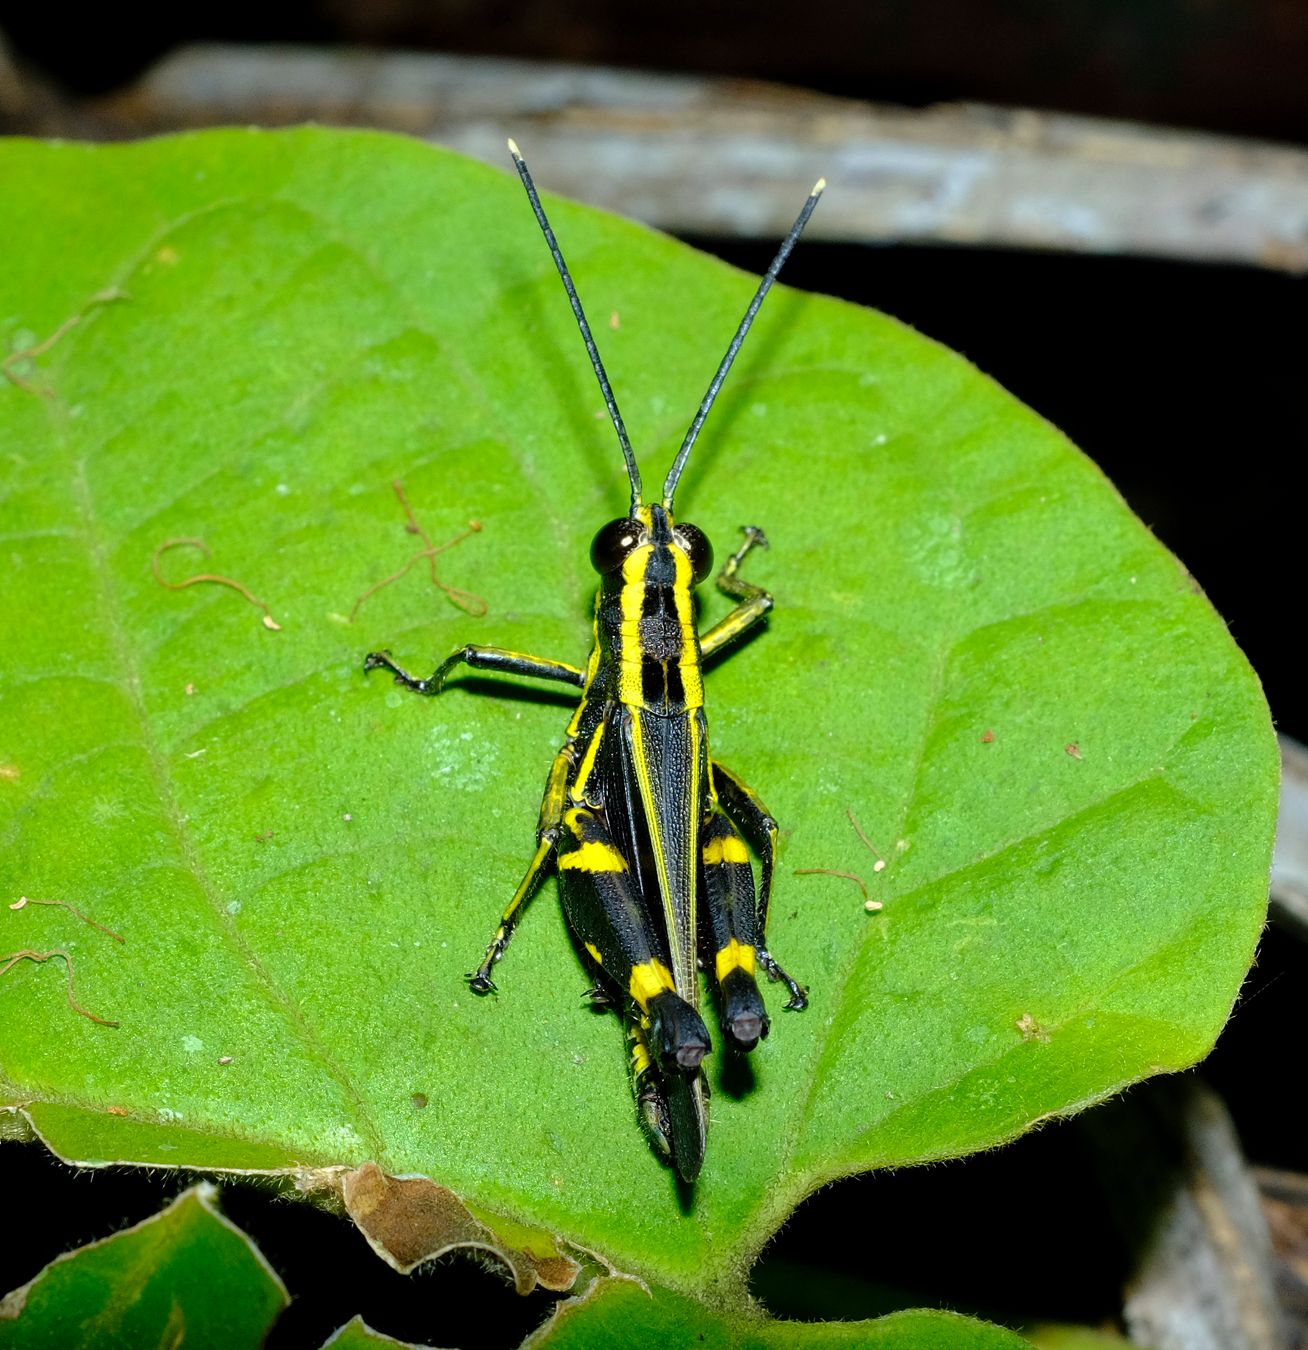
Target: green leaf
x: 185, y: 1275
x: 1034, y: 716
x: 356, y: 1334
x: 620, y: 1312
x: 1056, y: 1336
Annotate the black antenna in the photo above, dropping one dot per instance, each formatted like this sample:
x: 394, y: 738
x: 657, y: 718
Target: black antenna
x: 633, y: 473
x: 764, y: 286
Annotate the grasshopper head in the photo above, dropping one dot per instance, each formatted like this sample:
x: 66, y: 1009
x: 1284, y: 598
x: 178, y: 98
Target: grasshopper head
x: 654, y: 524
x: 617, y: 540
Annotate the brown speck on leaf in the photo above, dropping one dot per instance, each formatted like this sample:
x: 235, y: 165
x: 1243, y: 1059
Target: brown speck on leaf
x: 1031, y: 1029
x: 1073, y: 749
x: 263, y: 838
x: 224, y: 1059
x: 116, y: 1110
x: 987, y: 736
x: 419, y: 1099
x: 10, y: 771
x: 613, y: 319
x: 190, y: 689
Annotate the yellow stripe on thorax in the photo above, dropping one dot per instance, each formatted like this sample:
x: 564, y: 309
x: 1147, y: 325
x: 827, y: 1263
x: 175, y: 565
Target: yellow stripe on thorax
x: 727, y: 849
x: 691, y: 680
x: 736, y: 955
x: 630, y: 690
x: 648, y: 979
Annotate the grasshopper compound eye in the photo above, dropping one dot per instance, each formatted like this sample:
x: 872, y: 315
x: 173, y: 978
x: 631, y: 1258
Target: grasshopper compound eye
x: 609, y: 548
x: 698, y: 550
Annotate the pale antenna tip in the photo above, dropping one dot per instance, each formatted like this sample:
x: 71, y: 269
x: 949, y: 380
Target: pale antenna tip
x: 513, y: 149
x: 819, y: 188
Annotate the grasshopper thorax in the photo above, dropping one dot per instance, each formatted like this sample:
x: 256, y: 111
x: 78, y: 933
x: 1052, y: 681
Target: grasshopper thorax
x: 649, y: 526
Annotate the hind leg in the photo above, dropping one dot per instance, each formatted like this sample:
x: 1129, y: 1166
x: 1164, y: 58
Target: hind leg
x: 731, y: 914
x: 605, y: 914
x: 742, y: 804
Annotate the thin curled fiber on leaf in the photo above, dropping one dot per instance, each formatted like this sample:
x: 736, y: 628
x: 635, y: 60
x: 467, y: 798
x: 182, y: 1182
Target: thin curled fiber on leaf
x: 24, y: 900
x: 879, y: 866
x: 28, y: 954
x: 39, y: 349
x: 468, y: 601
x: 831, y: 872
x: 217, y: 578
x: 858, y: 830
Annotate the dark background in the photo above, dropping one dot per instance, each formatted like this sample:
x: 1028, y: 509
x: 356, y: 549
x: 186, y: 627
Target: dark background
x: 1184, y: 382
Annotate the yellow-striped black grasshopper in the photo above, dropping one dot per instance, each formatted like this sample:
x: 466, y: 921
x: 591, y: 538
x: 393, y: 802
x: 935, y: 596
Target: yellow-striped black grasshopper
x: 641, y: 822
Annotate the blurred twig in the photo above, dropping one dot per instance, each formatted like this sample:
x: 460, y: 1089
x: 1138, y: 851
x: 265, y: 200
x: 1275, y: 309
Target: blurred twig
x: 725, y: 157
x: 1290, y: 858
x: 1285, y: 1202
x: 1202, y: 1274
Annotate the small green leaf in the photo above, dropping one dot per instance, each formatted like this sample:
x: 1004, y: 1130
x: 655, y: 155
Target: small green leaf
x: 356, y: 1334
x: 185, y: 1276
x: 246, y: 338
x: 620, y: 1312
x: 1057, y: 1336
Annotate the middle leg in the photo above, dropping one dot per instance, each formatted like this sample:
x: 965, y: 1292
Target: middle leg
x: 547, y: 837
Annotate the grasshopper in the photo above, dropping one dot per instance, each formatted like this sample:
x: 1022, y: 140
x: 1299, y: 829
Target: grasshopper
x: 641, y: 822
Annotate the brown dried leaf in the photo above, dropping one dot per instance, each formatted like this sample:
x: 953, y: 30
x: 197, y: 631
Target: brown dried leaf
x: 408, y: 1220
